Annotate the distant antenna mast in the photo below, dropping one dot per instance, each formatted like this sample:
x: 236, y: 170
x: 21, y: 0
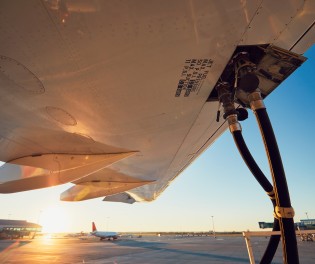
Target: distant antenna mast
x: 213, y: 227
x: 306, y: 215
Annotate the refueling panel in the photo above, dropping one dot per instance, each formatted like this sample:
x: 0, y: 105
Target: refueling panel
x: 271, y: 64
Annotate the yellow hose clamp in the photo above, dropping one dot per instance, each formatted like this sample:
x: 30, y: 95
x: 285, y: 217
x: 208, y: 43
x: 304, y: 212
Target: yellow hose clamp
x: 284, y: 212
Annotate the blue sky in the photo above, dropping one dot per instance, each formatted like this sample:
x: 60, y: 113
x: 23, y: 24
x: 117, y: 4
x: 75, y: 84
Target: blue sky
x: 217, y: 184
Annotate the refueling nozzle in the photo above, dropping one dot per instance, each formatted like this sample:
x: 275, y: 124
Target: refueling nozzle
x: 245, y: 76
x: 225, y: 96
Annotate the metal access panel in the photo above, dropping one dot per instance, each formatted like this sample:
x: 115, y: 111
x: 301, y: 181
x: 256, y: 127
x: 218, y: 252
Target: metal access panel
x: 272, y: 66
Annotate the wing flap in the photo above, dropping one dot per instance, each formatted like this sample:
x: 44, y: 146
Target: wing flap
x: 59, y: 162
x: 120, y: 197
x: 17, y: 178
x: 101, y: 183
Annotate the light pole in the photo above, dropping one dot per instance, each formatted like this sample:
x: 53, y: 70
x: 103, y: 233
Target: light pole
x: 306, y: 215
x: 213, y: 227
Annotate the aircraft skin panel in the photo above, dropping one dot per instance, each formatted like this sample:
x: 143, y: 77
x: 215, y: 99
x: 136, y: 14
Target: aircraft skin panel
x: 197, y: 140
x: 104, y: 76
x: 306, y: 41
x: 283, y: 29
x: 270, y: 20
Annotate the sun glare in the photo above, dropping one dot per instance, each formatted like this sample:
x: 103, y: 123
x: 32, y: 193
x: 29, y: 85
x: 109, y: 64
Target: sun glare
x: 54, y: 220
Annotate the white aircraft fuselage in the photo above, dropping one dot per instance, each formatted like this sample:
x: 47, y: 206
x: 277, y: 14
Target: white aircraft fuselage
x: 103, y: 234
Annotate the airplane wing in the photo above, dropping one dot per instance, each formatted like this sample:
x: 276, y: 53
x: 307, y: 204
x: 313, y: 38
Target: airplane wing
x: 118, y: 97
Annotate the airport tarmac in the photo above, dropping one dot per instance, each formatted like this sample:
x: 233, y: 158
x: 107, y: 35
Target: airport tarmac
x: 149, y: 250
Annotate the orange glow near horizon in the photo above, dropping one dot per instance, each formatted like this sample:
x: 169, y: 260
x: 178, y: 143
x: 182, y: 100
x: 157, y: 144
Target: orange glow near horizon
x: 54, y: 220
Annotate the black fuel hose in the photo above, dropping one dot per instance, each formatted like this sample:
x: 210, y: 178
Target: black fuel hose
x: 290, y: 252
x: 273, y: 243
x: 250, y: 162
x: 266, y: 185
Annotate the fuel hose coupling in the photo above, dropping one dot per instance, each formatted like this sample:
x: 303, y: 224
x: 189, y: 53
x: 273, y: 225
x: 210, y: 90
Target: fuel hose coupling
x: 256, y: 101
x: 225, y: 96
x: 234, y: 125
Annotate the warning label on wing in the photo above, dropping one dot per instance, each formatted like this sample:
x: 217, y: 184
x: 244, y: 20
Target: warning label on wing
x: 193, y: 75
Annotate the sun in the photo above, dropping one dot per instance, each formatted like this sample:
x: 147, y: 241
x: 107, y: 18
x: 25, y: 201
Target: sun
x: 54, y: 219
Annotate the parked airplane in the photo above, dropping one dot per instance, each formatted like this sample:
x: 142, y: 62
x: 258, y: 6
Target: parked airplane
x: 103, y: 234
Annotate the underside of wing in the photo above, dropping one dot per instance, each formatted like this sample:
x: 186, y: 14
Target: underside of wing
x: 118, y: 98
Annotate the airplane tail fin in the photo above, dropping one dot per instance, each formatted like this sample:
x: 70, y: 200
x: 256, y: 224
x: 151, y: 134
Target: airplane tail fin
x: 93, y: 227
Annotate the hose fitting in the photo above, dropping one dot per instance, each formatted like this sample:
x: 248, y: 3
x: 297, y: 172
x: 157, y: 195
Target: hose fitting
x: 234, y: 125
x: 256, y: 101
x: 226, y: 98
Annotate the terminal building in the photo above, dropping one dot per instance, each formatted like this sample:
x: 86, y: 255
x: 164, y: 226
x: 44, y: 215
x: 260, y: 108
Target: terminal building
x: 18, y: 228
x: 304, y: 224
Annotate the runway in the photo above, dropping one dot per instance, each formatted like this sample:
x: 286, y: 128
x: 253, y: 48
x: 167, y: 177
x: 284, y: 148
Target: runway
x: 153, y: 250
